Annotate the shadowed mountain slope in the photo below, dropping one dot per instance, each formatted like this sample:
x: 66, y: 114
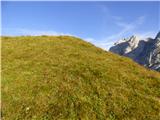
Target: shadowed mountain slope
x: 145, y: 52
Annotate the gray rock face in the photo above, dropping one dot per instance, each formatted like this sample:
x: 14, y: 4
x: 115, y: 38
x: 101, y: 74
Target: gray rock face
x: 145, y: 52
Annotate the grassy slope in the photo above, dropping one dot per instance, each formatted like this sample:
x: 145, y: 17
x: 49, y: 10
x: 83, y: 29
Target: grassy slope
x: 64, y: 77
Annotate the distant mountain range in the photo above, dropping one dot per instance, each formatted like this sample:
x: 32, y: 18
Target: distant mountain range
x: 144, y: 51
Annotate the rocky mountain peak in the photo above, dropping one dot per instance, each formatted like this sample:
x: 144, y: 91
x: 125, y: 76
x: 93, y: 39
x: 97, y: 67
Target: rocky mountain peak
x: 134, y: 37
x: 157, y: 40
x: 125, y: 45
x: 144, y: 51
x: 158, y: 35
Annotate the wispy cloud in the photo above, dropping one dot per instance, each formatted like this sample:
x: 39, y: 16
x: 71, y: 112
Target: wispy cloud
x: 119, y: 22
x: 89, y: 39
x: 143, y: 35
x: 105, y: 43
x: 21, y: 31
x: 125, y: 28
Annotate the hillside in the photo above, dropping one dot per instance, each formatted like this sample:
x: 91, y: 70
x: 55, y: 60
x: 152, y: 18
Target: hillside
x: 51, y: 78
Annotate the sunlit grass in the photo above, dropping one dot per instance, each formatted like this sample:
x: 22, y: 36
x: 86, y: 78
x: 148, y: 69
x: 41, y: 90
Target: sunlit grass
x: 49, y: 77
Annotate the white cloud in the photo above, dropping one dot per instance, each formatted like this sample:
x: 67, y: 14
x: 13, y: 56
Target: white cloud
x: 89, y: 39
x: 39, y: 32
x: 105, y: 43
x: 128, y: 27
x: 21, y: 31
x: 125, y: 28
x: 143, y: 35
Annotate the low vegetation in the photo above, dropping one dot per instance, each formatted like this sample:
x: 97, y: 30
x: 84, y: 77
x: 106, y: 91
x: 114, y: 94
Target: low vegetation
x: 63, y: 77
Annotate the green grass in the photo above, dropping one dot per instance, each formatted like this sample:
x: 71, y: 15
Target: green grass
x: 66, y: 78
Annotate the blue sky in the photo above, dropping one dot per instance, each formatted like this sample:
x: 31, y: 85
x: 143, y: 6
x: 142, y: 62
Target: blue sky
x: 101, y: 23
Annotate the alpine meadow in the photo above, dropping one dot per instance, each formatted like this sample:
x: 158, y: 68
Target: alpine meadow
x: 80, y: 60
x: 64, y: 77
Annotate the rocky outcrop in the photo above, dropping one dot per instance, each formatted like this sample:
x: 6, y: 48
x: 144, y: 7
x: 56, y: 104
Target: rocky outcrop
x: 144, y: 51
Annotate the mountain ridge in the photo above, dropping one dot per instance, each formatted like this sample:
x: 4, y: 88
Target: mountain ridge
x: 143, y: 51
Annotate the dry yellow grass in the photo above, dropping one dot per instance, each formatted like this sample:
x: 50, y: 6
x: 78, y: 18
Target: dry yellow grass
x: 48, y: 77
